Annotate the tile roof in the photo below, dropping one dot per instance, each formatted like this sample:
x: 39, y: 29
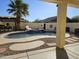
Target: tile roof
x: 7, y: 19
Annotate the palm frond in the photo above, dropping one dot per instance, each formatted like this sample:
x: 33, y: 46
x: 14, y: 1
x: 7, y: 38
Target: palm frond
x: 25, y: 9
x: 12, y: 4
x: 18, y: 7
x: 11, y: 10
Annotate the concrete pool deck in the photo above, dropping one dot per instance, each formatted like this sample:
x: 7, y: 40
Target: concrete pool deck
x: 69, y: 52
x: 42, y: 48
x: 5, y: 40
x: 25, y: 46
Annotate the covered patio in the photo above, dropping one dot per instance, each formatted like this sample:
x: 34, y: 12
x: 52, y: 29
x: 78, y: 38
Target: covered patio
x: 61, y: 18
x: 44, y: 48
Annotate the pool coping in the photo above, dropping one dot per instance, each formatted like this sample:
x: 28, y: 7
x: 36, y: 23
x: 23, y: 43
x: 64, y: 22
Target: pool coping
x: 7, y: 40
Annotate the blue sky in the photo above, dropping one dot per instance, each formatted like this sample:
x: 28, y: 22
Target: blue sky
x: 38, y: 9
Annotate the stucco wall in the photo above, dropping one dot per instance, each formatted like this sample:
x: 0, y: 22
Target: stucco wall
x: 22, y: 25
x: 48, y: 26
x: 72, y: 26
x: 10, y: 23
x: 35, y: 25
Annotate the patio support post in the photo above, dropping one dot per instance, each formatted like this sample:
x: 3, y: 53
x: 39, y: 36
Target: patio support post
x: 61, y: 24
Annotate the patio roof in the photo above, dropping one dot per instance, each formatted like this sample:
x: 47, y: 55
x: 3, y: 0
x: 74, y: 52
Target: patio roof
x: 7, y: 19
x: 10, y: 19
x: 61, y: 18
x: 72, y: 3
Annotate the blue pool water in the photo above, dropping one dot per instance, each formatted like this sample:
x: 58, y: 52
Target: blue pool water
x: 29, y: 34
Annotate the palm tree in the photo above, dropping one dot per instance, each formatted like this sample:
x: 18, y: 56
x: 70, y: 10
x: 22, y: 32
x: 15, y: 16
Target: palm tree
x: 18, y: 9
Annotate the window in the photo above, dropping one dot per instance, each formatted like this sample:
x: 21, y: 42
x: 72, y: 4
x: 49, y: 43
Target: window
x: 51, y: 26
x: 7, y: 24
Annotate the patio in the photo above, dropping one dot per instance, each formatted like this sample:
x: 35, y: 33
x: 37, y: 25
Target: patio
x: 44, y: 47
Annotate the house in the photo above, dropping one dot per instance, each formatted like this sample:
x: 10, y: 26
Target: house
x: 10, y: 21
x: 50, y: 24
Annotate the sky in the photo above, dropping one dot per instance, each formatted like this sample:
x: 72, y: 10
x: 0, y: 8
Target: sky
x: 38, y: 9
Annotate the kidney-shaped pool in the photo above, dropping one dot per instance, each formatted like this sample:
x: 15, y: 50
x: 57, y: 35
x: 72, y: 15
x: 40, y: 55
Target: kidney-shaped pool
x: 32, y: 33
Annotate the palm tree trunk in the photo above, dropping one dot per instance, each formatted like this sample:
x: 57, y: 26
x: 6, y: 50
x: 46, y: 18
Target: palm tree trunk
x: 17, y: 23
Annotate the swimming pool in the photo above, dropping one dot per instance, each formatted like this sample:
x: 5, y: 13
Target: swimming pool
x: 31, y: 33
x: 26, y: 36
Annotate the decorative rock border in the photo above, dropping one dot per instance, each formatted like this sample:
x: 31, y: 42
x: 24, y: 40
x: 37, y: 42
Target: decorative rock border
x: 2, y: 50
